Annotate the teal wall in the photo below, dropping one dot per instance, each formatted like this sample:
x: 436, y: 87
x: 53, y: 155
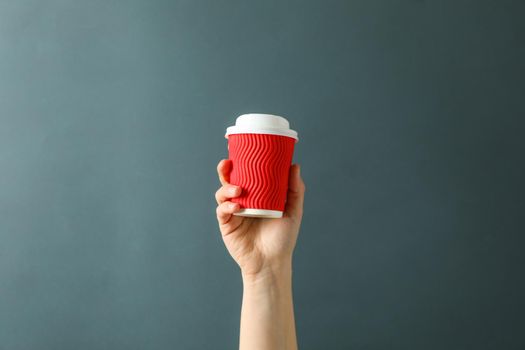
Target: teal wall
x: 410, y: 116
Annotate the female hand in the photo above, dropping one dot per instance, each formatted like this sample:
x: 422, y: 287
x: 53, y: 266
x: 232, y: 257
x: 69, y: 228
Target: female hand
x: 259, y: 244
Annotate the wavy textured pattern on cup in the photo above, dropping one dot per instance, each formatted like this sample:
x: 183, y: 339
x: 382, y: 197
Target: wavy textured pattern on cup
x: 261, y: 166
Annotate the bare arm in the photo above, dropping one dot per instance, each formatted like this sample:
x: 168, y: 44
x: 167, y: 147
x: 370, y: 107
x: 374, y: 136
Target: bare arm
x: 263, y: 249
x: 267, y: 319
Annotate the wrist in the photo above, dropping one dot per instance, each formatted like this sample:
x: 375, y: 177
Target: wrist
x: 275, y: 273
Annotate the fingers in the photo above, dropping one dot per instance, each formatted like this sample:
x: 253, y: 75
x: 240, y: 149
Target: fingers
x: 227, y: 222
x: 226, y: 192
x: 296, y: 189
x: 225, y: 211
x: 223, y: 169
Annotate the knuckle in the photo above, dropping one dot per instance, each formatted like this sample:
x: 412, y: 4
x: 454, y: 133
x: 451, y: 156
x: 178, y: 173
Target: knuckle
x: 219, y: 166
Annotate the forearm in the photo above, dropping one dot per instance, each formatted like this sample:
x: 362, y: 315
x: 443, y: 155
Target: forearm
x: 267, y: 317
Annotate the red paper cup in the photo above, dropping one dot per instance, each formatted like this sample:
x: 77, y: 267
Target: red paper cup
x: 261, y: 149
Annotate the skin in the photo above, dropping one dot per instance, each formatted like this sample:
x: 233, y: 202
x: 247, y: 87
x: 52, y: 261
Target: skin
x: 263, y: 250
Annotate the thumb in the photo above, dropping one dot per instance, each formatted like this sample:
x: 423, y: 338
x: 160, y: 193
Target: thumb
x: 296, y: 189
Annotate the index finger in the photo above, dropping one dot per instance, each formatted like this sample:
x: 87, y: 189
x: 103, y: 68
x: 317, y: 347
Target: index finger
x: 223, y: 169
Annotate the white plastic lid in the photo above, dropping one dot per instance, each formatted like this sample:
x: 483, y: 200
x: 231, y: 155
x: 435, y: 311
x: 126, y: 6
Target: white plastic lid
x: 255, y: 123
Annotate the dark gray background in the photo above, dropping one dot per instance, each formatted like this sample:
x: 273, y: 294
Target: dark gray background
x: 410, y: 115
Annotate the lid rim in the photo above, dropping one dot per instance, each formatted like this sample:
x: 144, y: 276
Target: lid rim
x: 288, y: 133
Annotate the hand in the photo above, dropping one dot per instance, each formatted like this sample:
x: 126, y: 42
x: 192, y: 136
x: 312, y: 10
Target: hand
x: 259, y: 244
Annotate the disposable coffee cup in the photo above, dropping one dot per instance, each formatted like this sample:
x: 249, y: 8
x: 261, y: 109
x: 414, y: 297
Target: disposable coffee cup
x: 261, y: 147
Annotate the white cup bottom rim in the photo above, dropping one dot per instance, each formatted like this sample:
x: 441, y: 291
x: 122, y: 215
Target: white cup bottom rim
x: 259, y: 213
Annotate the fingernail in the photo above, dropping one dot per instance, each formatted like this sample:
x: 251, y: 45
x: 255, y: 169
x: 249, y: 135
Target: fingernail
x: 232, y: 206
x: 232, y: 190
